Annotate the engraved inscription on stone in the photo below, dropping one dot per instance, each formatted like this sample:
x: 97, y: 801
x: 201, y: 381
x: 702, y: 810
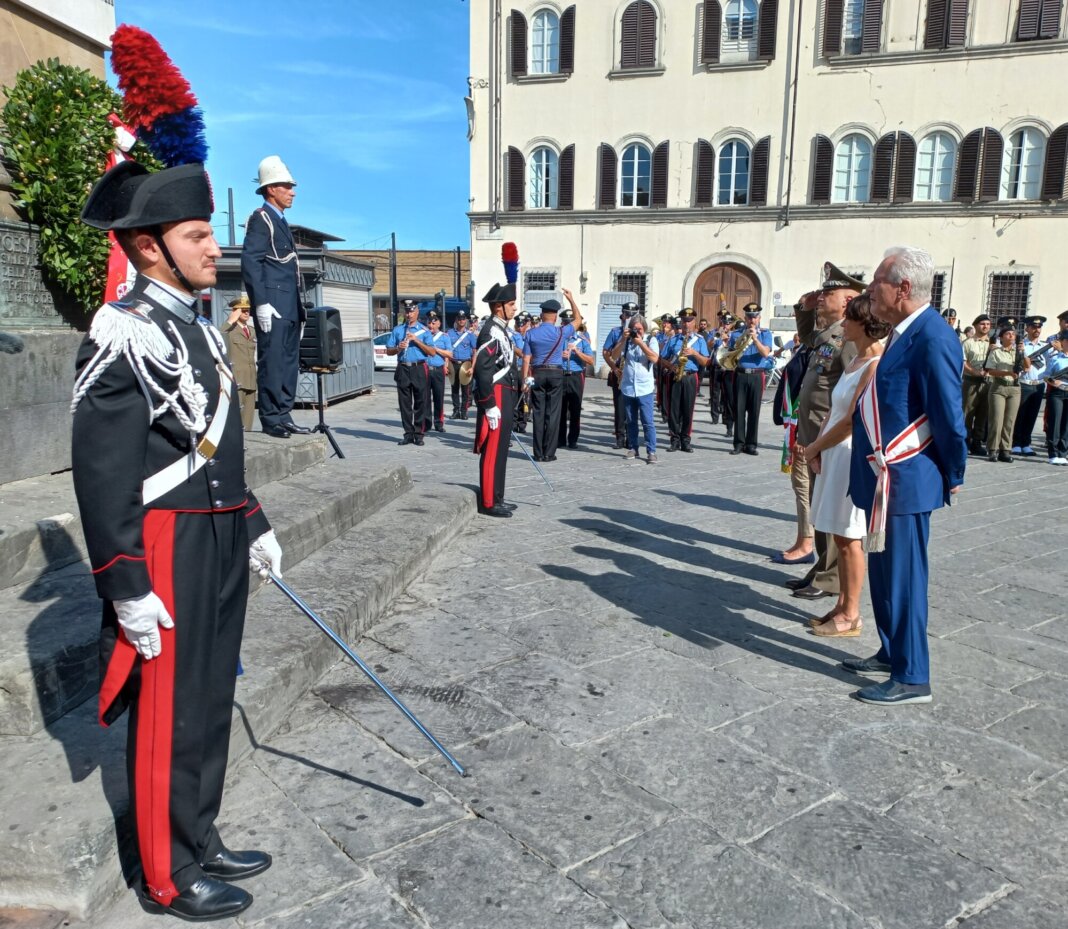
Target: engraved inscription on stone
x: 24, y: 300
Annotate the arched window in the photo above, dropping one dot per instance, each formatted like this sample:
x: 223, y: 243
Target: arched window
x: 733, y: 188
x: 852, y: 170
x: 637, y: 36
x: 739, y: 40
x: 935, y: 162
x: 635, y: 176
x: 1021, y: 165
x: 545, y: 43
x: 544, y: 179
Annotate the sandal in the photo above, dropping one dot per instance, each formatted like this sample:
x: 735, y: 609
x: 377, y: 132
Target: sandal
x: 831, y: 628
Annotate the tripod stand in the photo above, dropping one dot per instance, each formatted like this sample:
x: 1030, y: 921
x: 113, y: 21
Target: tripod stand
x: 321, y: 426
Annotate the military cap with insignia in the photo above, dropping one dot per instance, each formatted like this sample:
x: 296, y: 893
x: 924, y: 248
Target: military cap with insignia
x: 752, y: 309
x: 433, y: 314
x: 687, y: 312
x: 834, y: 278
x: 1035, y: 321
x: 949, y: 313
x: 461, y: 314
x: 550, y: 306
x: 240, y: 303
x: 567, y: 315
x: 491, y: 294
x: 408, y: 304
x: 628, y: 309
x: 1009, y: 321
x: 981, y: 318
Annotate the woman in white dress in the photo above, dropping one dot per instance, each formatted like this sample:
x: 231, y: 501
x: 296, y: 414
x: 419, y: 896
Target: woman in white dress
x: 829, y: 456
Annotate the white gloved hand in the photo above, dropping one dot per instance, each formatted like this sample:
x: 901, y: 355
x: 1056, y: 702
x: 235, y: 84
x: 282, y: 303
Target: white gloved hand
x: 265, y: 555
x: 529, y: 382
x: 140, y: 618
x: 493, y: 417
x: 266, y: 315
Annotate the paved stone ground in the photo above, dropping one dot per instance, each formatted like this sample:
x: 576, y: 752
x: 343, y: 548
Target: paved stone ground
x: 653, y: 738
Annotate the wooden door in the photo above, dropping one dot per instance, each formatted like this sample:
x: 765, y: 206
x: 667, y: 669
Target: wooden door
x: 724, y: 284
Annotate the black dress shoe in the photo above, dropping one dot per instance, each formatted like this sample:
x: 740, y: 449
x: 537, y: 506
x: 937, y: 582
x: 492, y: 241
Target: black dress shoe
x: 511, y: 507
x: 418, y: 440
x: 572, y: 447
x: 299, y: 430
x: 737, y: 450
x: 498, y: 510
x: 276, y: 432
x: 407, y: 440
x: 811, y: 593
x: 207, y: 899
x: 686, y: 447
x: 797, y: 583
x: 751, y: 450
x: 236, y: 866
x: 550, y: 458
x: 991, y: 457
x: 439, y: 428
x: 1005, y: 456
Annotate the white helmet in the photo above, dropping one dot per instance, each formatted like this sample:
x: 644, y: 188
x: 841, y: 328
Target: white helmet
x: 273, y: 171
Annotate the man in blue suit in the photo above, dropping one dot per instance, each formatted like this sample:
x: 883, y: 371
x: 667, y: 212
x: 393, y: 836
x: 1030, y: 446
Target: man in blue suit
x: 908, y: 459
x: 270, y: 268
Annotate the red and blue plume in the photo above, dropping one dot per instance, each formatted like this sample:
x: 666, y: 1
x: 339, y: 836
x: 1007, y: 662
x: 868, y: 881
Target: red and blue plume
x: 158, y: 101
x: 510, y: 260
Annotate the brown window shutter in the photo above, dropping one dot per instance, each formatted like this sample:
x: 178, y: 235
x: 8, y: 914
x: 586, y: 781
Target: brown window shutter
x: 1049, y: 23
x: 628, y: 36
x: 566, y: 190
x: 904, y: 168
x: 990, y: 169
x: 822, y: 168
x: 758, y: 172
x: 957, y: 26
x: 660, y: 176
x: 883, y: 168
x: 519, y: 43
x: 567, y: 41
x: 871, y: 36
x: 646, y: 35
x: 934, y: 35
x: 711, y: 31
x: 606, y: 188
x: 968, y: 167
x: 832, y: 28
x: 1027, y: 25
x: 766, y: 29
x: 704, y: 174
x: 516, y: 180
x: 1053, y: 171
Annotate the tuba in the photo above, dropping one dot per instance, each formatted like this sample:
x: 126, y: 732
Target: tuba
x: 729, y: 361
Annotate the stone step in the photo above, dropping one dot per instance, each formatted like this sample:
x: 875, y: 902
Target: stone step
x: 49, y: 627
x: 65, y: 786
x: 41, y: 531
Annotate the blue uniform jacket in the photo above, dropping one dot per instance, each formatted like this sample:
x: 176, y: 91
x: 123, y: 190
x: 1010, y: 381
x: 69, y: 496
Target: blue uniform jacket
x: 463, y: 344
x: 920, y: 373
x: 580, y: 341
x: 412, y: 353
x: 540, y: 341
x: 442, y: 341
x: 751, y: 357
x: 674, y: 346
x: 270, y: 267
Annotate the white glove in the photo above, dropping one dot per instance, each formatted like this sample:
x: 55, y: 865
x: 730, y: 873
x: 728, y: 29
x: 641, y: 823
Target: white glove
x: 265, y: 555
x: 266, y: 315
x: 493, y: 417
x: 529, y: 382
x: 140, y: 618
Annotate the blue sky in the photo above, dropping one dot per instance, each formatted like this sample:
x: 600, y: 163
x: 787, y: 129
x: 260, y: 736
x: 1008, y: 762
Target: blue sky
x: 362, y: 99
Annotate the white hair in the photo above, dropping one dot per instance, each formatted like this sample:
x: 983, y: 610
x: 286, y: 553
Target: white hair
x: 914, y: 265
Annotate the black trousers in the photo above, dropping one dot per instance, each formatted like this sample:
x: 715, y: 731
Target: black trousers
x: 277, y: 368
x: 492, y: 446
x: 461, y: 393
x: 748, y: 394
x: 571, y: 408
x: 546, y: 396
x: 411, y: 380
x: 181, y: 702
x: 721, y: 396
x: 1057, y: 422
x: 1030, y: 404
x: 619, y: 413
x: 435, y: 397
x: 680, y: 414
x: 664, y: 380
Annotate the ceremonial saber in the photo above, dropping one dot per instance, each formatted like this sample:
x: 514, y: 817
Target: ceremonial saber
x: 533, y: 462
x: 340, y: 643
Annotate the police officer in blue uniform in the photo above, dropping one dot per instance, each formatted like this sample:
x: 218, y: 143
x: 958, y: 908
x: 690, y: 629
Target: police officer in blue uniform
x: 685, y: 389
x: 578, y: 353
x: 270, y: 268
x: 750, y: 376
x: 409, y: 340
x: 1032, y: 386
x: 463, y: 348
x: 543, y: 374
x: 619, y: 413
x: 436, y: 364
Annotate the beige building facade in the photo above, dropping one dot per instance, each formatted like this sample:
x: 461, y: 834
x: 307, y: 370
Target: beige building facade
x: 710, y: 153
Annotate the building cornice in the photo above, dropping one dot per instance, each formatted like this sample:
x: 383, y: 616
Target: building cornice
x: 944, y: 55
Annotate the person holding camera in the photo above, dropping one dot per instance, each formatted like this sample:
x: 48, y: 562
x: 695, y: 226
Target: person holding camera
x: 635, y: 358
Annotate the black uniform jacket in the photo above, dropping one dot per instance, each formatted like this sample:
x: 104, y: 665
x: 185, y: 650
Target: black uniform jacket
x: 270, y: 267
x: 117, y: 444
x: 495, y: 353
